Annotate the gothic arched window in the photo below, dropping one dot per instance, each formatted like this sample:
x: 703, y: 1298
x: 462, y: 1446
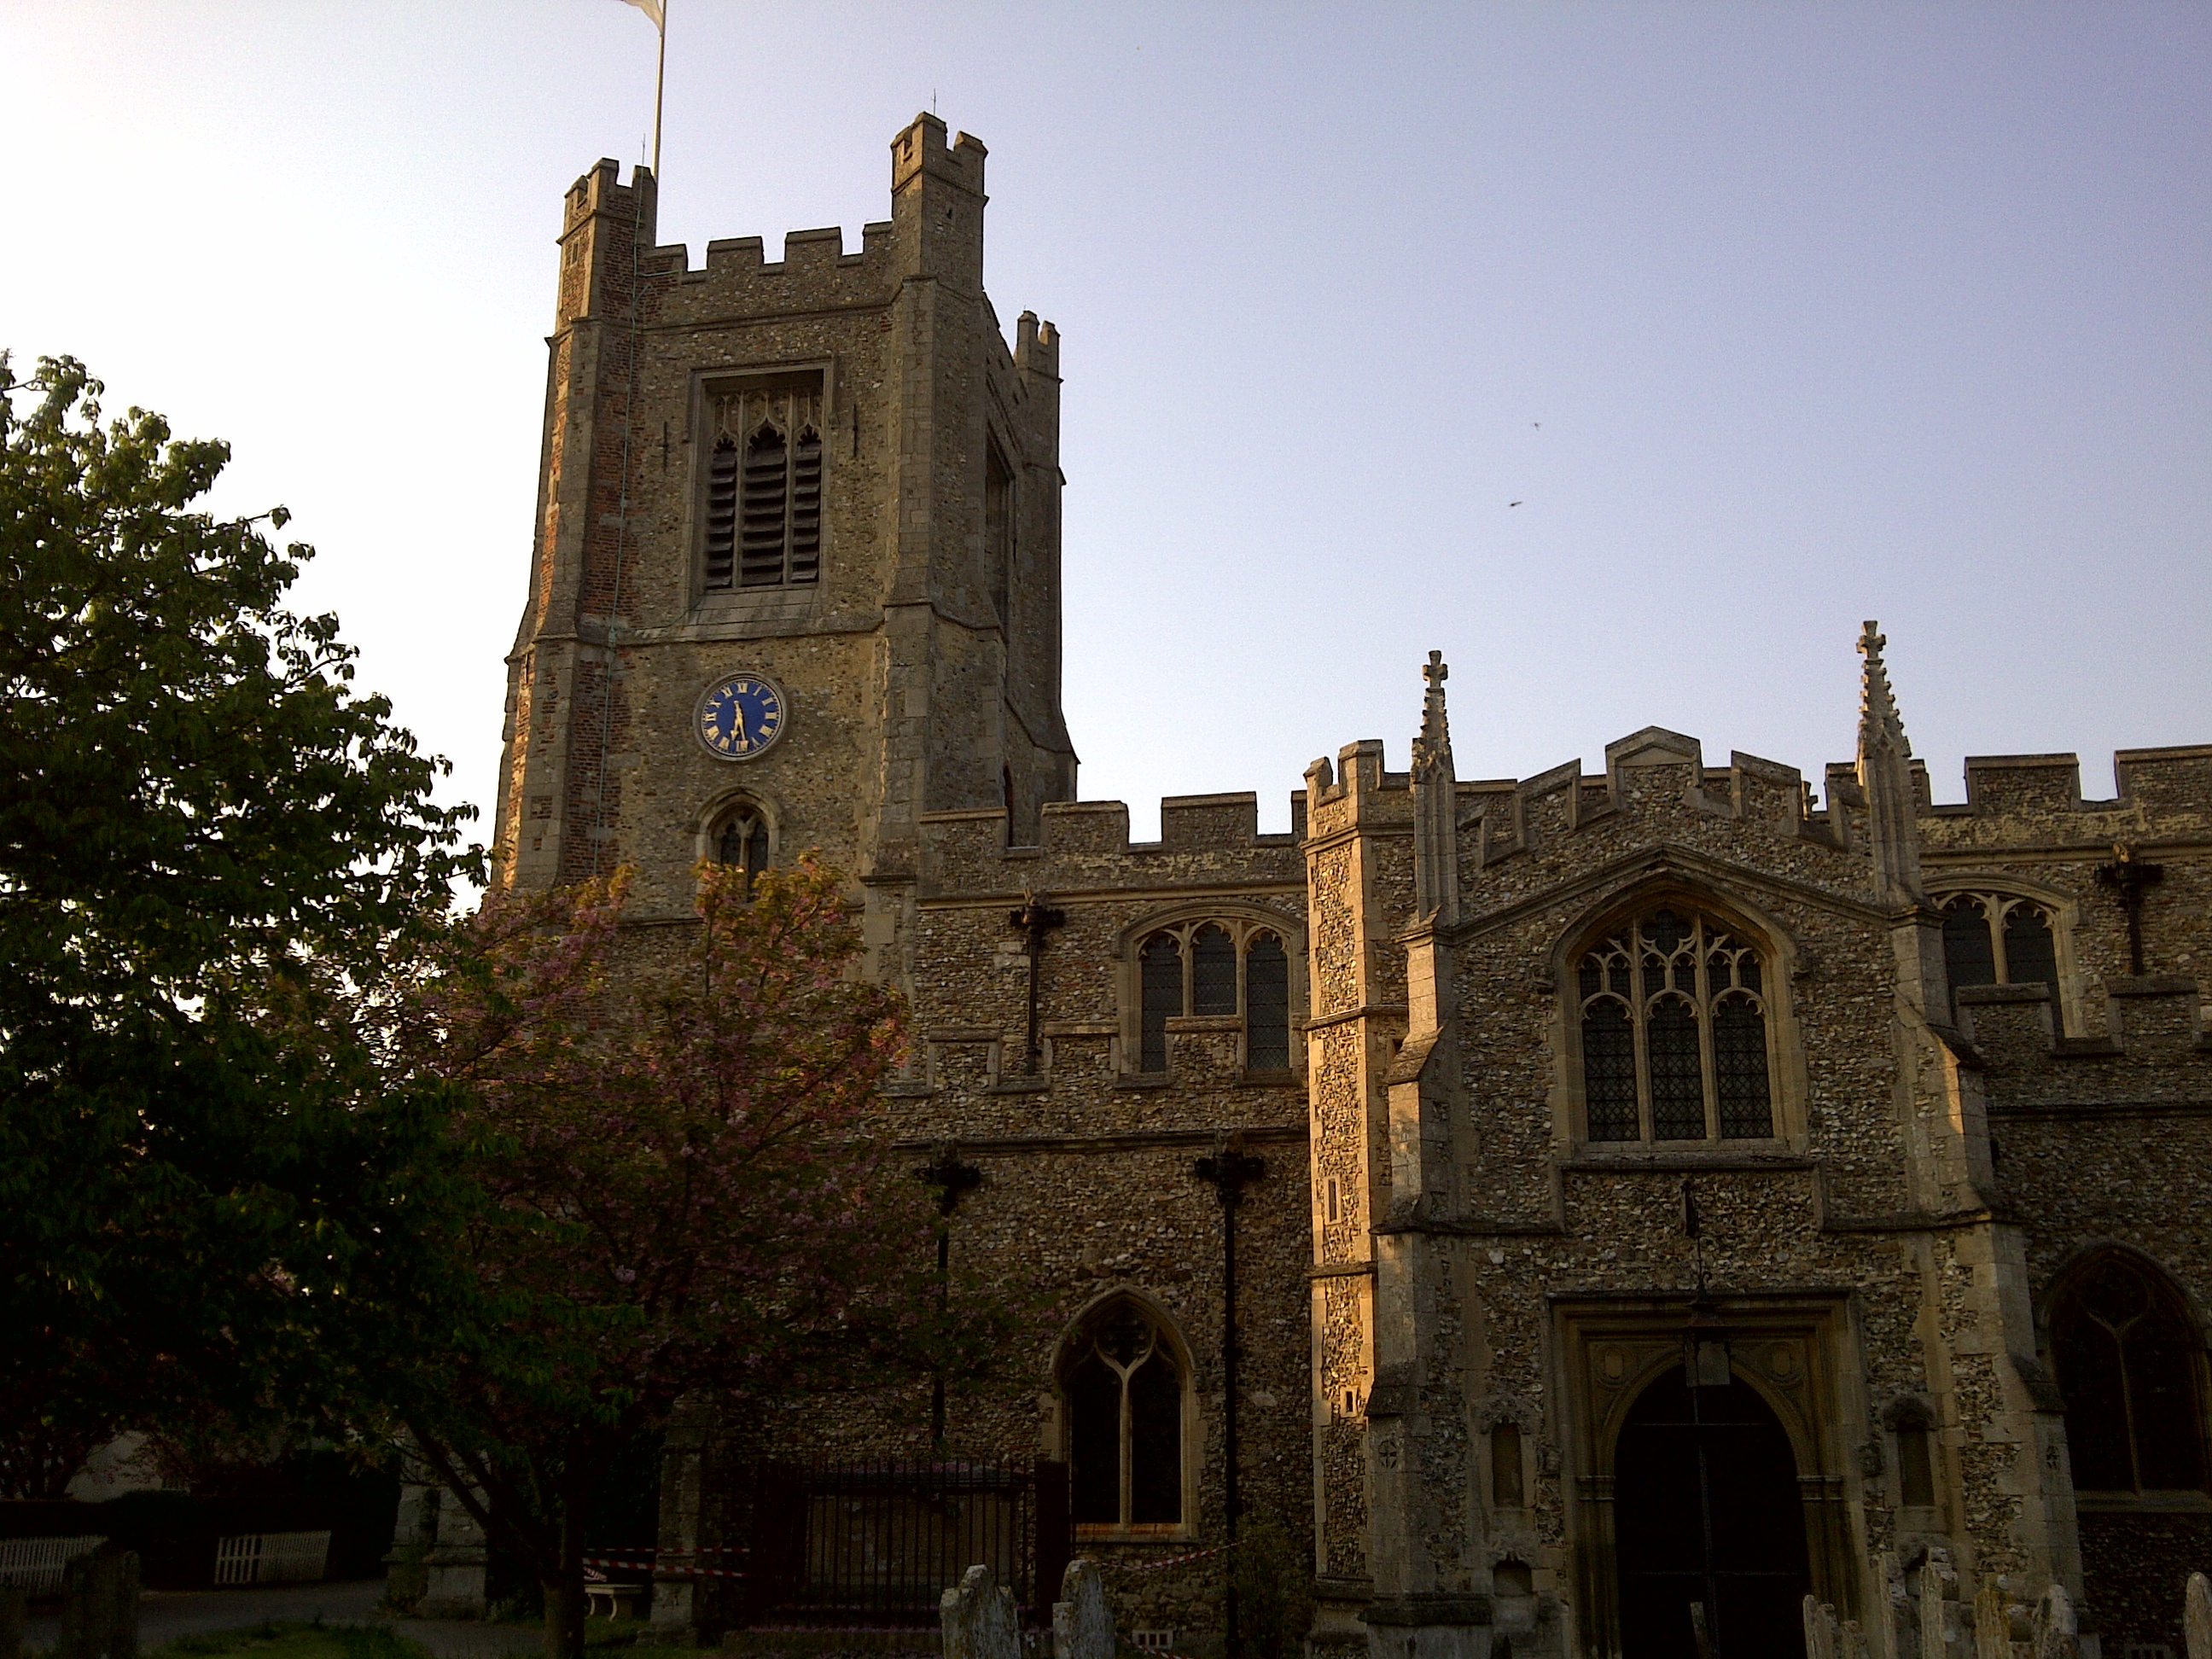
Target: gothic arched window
x: 1124, y: 1388
x: 1673, y: 1019
x: 741, y: 841
x: 1996, y: 938
x: 1225, y: 969
x: 2128, y: 1358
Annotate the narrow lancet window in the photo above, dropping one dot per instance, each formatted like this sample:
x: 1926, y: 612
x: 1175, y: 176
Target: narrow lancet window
x: 1161, y: 969
x: 806, y: 558
x: 765, y: 510
x: 1212, y: 971
x: 1267, y: 1004
x: 2031, y: 955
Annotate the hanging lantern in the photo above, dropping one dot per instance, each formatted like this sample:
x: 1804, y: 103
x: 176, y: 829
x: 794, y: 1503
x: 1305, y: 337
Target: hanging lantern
x: 1705, y: 1349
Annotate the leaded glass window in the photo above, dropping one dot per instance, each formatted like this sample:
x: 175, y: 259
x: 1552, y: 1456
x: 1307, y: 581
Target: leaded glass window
x: 1212, y: 972
x: 1995, y: 938
x: 1674, y: 1028
x: 1125, y: 1411
x: 1267, y: 1004
x: 1228, y: 968
x: 2127, y: 1357
x: 1161, y: 969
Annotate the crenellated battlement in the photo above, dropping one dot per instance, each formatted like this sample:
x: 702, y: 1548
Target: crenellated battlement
x: 1086, y: 843
x: 734, y: 260
x: 601, y: 191
x: 2160, y: 782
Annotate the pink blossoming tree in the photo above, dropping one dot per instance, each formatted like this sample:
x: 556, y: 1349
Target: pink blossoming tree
x: 675, y: 1191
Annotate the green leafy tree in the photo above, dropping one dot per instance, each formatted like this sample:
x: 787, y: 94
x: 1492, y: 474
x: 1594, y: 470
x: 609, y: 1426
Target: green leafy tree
x: 214, y: 856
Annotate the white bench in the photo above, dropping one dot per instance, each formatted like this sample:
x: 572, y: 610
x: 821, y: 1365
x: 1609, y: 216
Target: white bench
x: 619, y: 1599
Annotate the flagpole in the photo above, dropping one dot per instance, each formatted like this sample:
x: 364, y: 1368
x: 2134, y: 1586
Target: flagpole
x: 659, y: 80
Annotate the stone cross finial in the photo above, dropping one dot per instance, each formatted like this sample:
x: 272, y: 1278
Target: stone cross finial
x: 1885, y: 776
x: 1877, y: 703
x: 1433, y: 746
x: 1435, y: 806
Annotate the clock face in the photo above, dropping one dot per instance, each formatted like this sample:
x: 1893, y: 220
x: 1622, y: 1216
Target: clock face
x: 740, y: 717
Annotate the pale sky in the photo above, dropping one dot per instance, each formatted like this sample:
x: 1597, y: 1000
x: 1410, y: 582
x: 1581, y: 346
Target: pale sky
x: 1770, y: 317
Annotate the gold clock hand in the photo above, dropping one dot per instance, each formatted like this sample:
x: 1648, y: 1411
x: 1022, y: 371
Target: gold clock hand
x: 737, y: 719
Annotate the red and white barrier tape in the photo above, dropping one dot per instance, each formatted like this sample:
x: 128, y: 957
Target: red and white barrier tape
x: 660, y: 1571
x: 1178, y: 1560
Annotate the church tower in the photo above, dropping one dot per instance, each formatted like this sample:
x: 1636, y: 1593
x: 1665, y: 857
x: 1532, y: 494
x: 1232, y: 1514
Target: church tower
x: 795, y: 576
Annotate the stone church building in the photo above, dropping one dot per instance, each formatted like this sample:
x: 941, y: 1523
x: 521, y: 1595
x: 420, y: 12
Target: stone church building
x: 1657, y: 1188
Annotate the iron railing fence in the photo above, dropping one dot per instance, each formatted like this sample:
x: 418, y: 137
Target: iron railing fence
x: 878, y: 1542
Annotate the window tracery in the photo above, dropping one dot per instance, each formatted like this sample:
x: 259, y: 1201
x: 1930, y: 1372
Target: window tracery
x: 1675, y: 1030
x: 1224, y: 968
x: 741, y: 840
x: 2127, y: 1358
x: 1998, y: 939
x: 1124, y: 1388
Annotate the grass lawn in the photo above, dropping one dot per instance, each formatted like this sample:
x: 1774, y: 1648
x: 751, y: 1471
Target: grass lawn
x: 280, y: 1639
x: 294, y: 1641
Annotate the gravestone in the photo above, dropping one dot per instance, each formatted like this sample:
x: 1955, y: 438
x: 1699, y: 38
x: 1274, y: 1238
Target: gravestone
x: 1939, y: 1611
x: 1082, y: 1623
x: 2197, y: 1615
x: 1821, y: 1631
x: 2056, y: 1627
x: 978, y: 1619
x: 1992, y: 1623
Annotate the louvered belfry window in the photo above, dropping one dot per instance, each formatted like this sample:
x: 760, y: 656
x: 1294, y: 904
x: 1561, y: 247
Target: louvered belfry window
x: 1673, y: 1029
x: 762, y: 510
x: 780, y: 510
x: 721, y: 514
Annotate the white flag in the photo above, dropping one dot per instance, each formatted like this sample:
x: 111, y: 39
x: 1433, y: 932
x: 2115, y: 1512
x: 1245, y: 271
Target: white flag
x: 652, y: 9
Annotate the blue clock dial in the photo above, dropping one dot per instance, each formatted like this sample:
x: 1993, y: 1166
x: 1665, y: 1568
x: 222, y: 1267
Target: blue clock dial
x: 740, y: 716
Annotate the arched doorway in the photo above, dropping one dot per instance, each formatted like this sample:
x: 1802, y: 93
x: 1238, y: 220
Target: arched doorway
x: 1707, y: 1510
